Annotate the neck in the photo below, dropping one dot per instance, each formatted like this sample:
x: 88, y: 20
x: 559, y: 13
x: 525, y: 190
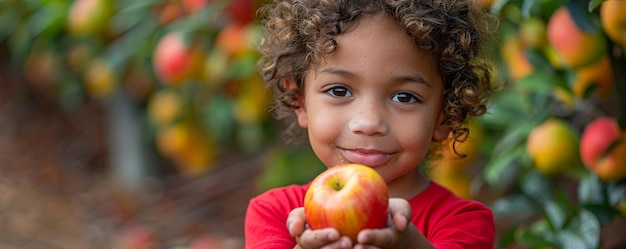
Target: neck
x: 409, y: 185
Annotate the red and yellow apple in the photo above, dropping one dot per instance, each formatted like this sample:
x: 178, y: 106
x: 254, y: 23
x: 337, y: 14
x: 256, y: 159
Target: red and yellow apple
x: 552, y: 145
x: 349, y: 198
x: 603, y: 149
x: 177, y: 58
x: 576, y: 47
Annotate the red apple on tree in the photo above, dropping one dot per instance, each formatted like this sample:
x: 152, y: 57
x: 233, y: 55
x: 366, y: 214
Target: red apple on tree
x: 349, y: 198
x: 177, y: 58
x: 603, y: 149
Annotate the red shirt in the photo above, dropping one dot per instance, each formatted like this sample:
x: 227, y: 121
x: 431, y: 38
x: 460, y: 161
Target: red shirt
x: 446, y: 220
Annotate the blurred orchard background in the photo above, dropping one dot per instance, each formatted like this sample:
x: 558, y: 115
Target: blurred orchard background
x: 144, y: 124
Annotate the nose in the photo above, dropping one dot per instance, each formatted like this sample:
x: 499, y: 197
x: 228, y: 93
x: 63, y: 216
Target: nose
x: 369, y: 120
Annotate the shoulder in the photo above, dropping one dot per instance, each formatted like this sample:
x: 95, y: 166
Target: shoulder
x: 267, y: 214
x: 439, y: 197
x: 292, y: 195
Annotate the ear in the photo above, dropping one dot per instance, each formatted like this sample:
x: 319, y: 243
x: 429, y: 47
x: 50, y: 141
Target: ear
x: 441, y: 131
x: 300, y: 112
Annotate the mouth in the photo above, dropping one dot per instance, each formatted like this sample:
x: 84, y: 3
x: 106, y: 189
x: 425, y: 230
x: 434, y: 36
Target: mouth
x: 370, y: 158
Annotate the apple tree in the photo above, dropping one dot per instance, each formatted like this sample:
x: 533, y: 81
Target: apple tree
x: 553, y: 179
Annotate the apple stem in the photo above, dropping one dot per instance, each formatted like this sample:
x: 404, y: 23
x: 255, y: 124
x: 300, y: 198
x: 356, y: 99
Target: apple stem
x: 338, y: 185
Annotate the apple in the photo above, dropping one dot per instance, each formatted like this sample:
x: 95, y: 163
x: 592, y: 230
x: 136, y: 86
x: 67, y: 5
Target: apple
x: 100, y: 79
x: 576, y: 47
x: 177, y: 58
x: 349, y: 198
x: 603, y: 148
x: 242, y: 11
x: 515, y: 59
x: 613, y: 19
x: 553, y: 146
x: 193, y: 6
x: 90, y: 16
x: 599, y: 75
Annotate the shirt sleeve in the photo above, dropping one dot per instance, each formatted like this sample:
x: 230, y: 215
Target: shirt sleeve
x: 470, y: 226
x: 266, y: 221
x: 450, y: 222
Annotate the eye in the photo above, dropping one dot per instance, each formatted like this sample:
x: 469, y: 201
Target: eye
x: 404, y: 97
x: 339, y: 91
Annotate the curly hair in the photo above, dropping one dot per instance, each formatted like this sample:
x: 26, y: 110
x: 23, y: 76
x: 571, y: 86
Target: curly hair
x: 300, y: 33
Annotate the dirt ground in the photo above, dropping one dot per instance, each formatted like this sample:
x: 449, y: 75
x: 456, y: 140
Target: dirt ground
x: 55, y: 191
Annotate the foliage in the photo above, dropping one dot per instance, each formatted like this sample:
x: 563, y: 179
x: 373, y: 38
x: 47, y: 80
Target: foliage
x: 567, y: 210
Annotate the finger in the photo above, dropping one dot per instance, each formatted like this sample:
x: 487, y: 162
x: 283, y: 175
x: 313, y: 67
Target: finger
x: 400, y: 212
x: 342, y: 243
x: 384, y: 238
x: 322, y: 238
x: 296, y: 222
x: 365, y: 247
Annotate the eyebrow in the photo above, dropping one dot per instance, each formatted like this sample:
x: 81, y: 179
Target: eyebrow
x: 417, y: 78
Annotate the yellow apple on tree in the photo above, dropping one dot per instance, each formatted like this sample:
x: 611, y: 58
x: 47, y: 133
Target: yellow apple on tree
x: 613, y: 18
x: 349, y: 198
x: 90, y: 16
x: 552, y: 145
x: 603, y: 149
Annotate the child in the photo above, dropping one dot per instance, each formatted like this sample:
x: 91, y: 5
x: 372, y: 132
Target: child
x: 375, y: 83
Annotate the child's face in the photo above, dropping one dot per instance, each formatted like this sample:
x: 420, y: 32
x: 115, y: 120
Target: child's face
x: 377, y: 100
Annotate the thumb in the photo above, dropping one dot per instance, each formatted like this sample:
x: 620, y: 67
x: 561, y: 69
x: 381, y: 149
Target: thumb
x: 401, y: 213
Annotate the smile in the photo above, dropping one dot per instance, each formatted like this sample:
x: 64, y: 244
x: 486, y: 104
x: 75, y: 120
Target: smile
x: 370, y: 158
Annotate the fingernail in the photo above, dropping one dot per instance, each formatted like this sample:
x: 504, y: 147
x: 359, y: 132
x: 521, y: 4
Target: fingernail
x: 344, y: 244
x: 333, y: 236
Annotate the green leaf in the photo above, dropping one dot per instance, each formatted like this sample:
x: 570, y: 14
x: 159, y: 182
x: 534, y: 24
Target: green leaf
x: 594, y: 4
x: 49, y: 20
x: 603, y: 212
x: 539, y: 82
x: 536, y: 185
x: 538, y: 236
x: 583, y: 232
x: 616, y: 192
x: 589, y: 228
x: 571, y: 240
x: 527, y: 6
x: 540, y: 61
x: 497, y: 6
x: 514, y: 205
x: 555, y: 215
x: 502, y: 169
x: 590, y: 189
x: 512, y: 138
x: 582, y: 17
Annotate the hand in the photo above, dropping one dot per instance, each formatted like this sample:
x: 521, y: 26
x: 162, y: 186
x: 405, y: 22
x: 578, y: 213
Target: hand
x: 327, y: 238
x: 397, y: 235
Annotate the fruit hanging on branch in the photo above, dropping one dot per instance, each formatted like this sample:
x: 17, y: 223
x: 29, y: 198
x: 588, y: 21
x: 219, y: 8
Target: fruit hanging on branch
x: 553, y: 147
x: 613, y: 18
x: 90, y: 17
x: 349, y: 198
x: 575, y: 46
x: 177, y: 58
x: 603, y: 149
